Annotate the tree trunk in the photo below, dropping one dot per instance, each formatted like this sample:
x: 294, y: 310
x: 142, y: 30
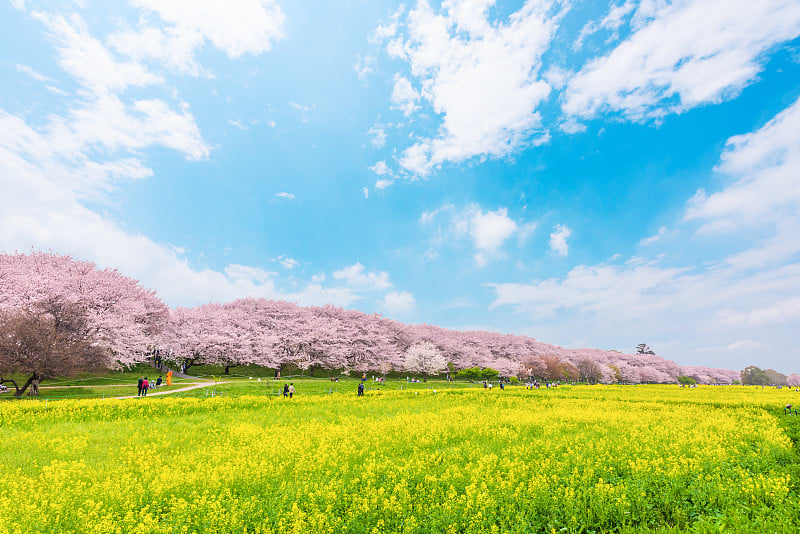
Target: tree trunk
x: 31, y: 379
x: 12, y: 381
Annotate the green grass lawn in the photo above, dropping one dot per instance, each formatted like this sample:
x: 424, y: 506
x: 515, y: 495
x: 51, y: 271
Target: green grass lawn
x: 123, y: 383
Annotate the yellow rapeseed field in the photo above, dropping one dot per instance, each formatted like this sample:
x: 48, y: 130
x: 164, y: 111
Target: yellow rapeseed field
x: 579, y: 459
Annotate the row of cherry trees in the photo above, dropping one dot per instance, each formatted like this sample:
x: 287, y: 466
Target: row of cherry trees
x: 122, y: 318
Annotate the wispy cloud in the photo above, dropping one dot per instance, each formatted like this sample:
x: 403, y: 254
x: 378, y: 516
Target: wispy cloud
x: 682, y: 55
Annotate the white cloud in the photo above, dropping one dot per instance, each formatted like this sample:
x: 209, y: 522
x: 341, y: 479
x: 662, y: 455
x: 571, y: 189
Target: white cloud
x: 570, y: 125
x: 238, y: 125
x: 486, y: 230
x: 39, y: 77
x: 682, y: 55
x: 480, y: 76
x: 355, y: 276
x: 377, y: 136
x: 389, y: 30
x: 688, y: 309
x: 613, y: 20
x: 380, y: 168
x: 765, y: 188
x: 365, y: 190
x: 783, y: 311
x: 288, y: 263
x: 284, y: 194
x: 396, y: 302
x: 557, y: 77
x: 428, y: 216
x: 89, y: 61
x: 658, y: 236
x: 489, y: 230
x: 175, y: 48
x: 72, y: 147
x: 558, y: 239
x: 241, y: 27
x: 316, y: 295
x: 618, y: 290
x: 365, y: 66
x: 383, y: 184
x: 404, y: 96
x: 238, y: 28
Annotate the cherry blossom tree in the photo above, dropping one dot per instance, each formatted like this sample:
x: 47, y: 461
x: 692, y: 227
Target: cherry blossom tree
x: 46, y: 342
x: 425, y: 358
x: 793, y: 380
x: 553, y: 367
x: 590, y: 371
x: 533, y: 367
x: 120, y: 317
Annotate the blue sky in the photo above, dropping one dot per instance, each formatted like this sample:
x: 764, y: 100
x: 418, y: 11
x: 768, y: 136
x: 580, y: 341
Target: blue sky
x: 590, y: 175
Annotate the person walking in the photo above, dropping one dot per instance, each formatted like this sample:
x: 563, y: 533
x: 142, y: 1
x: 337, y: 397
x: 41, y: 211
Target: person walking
x: 145, y: 385
x: 141, y: 381
x: 360, y: 390
x: 291, y: 390
x: 285, y: 390
x: 169, y: 378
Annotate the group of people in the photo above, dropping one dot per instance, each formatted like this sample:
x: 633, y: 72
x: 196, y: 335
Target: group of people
x: 145, y: 384
x: 288, y: 390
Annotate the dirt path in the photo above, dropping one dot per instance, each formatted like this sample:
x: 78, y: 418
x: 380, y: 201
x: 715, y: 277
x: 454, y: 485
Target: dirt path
x: 195, y: 386
x: 99, y: 385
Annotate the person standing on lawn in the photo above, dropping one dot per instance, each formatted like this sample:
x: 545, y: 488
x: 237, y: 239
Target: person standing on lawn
x: 169, y: 378
x: 141, y: 381
x: 145, y: 385
x: 291, y: 390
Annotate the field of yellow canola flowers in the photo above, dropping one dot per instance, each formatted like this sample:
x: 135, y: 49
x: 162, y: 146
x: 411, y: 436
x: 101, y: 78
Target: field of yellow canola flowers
x: 580, y: 459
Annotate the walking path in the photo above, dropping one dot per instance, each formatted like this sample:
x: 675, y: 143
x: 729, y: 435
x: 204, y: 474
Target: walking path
x: 195, y: 386
x: 164, y: 369
x: 104, y: 385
